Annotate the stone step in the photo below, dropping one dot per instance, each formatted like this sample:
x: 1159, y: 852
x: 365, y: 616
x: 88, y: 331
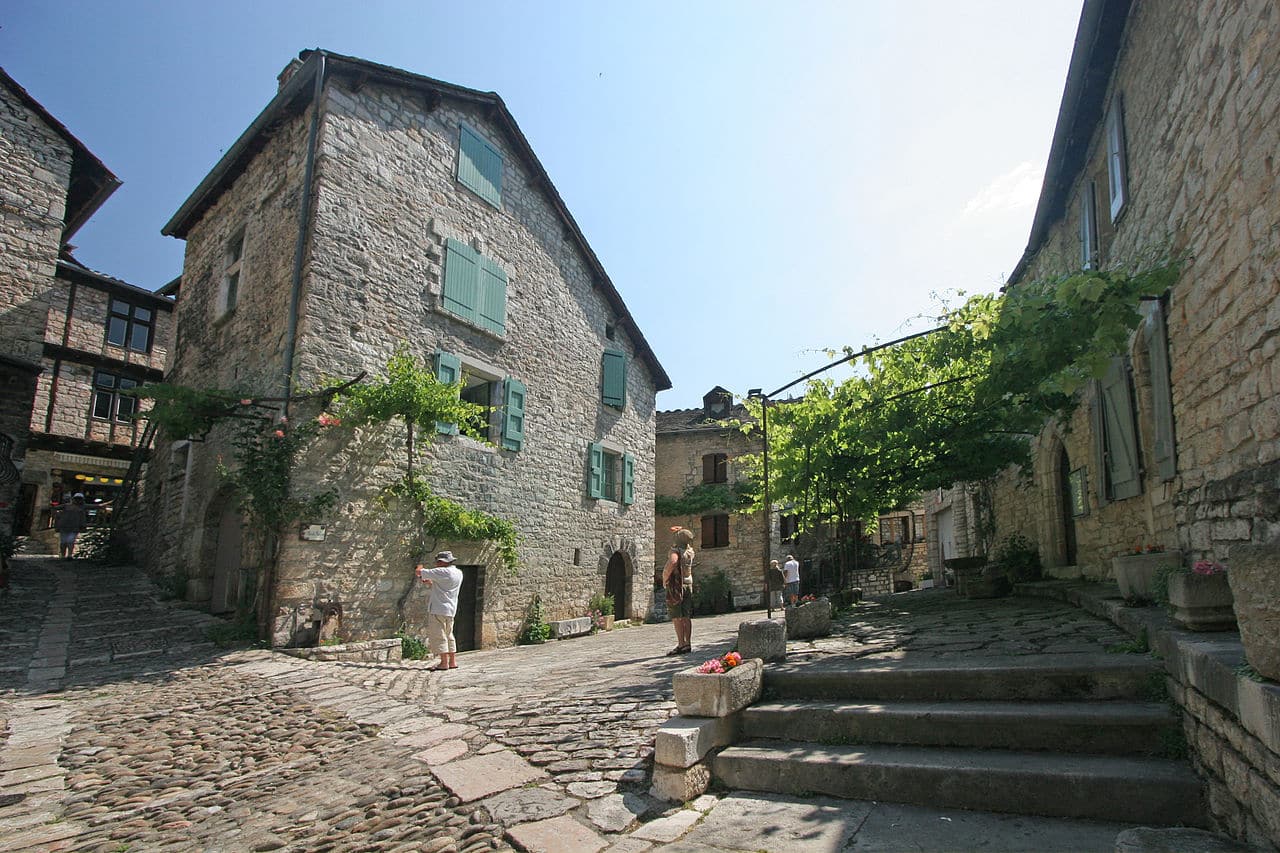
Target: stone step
x: 1028, y: 678
x: 1133, y: 790
x: 1105, y: 727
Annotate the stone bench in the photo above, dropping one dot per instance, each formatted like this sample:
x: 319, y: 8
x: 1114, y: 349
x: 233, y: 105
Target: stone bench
x: 562, y: 628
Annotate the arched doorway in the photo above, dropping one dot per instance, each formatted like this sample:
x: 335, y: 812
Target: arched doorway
x: 615, y: 584
x: 1066, y: 507
x: 225, y: 588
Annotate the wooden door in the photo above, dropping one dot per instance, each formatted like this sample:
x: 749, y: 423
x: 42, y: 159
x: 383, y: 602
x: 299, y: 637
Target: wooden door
x: 226, y: 561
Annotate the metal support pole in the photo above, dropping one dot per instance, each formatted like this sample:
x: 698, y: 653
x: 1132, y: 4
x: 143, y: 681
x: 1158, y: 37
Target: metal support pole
x: 768, y: 526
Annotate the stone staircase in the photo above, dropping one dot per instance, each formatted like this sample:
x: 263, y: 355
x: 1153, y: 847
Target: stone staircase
x: 1054, y: 735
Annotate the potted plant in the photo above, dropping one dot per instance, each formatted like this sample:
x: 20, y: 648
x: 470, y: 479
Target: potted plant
x: 1255, y: 591
x: 719, y: 687
x: 1135, y: 571
x: 601, y: 611
x: 1199, y: 598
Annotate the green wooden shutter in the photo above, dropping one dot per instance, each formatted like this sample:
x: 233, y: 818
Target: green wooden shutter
x: 461, y: 280
x: 613, y: 378
x: 595, y: 472
x: 1122, y: 445
x: 1099, y: 425
x: 480, y: 166
x: 448, y: 371
x: 491, y: 308
x: 513, y: 414
x: 628, y: 478
x: 1164, y: 453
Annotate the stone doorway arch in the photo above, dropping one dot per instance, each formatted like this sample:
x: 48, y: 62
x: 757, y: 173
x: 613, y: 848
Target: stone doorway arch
x: 617, y: 582
x: 1056, y: 522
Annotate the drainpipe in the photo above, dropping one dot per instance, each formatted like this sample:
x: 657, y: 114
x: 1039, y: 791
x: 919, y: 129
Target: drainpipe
x: 300, y: 247
x: 267, y: 599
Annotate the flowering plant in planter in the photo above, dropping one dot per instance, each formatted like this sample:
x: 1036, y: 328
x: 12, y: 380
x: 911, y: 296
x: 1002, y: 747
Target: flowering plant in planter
x: 722, y: 664
x: 1208, y: 567
x: 1198, y: 598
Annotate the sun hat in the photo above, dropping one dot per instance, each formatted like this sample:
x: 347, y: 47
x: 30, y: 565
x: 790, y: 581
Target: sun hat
x: 78, y: 495
x: 446, y: 557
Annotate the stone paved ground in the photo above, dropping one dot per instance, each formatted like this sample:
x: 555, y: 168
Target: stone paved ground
x: 123, y: 729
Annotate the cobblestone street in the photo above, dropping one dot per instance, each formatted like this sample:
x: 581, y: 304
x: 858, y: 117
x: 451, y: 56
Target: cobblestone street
x: 125, y: 730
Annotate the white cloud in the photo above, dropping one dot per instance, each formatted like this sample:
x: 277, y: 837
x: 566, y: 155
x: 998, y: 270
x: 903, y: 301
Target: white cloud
x: 1015, y: 189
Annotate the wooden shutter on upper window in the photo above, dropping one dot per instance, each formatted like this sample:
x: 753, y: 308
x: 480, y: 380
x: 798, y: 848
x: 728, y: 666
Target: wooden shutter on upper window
x: 480, y: 166
x: 448, y: 371
x: 461, y: 280
x: 491, y: 306
x: 1122, y: 445
x: 513, y: 394
x: 613, y: 379
x: 1164, y: 451
x: 628, y: 478
x: 595, y: 470
x: 708, y: 531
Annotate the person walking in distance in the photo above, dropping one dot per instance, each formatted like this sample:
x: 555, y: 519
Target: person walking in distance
x: 677, y: 579
x: 71, y: 520
x: 444, y: 579
x: 791, y: 579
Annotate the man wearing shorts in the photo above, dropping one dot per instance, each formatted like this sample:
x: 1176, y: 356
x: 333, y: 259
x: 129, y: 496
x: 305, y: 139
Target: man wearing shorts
x: 791, y: 579
x: 444, y: 579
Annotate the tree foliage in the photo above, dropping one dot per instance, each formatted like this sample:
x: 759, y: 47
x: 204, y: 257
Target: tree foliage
x: 960, y: 404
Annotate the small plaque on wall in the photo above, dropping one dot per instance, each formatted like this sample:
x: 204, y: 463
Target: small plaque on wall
x: 1078, y: 484
x: 313, y: 532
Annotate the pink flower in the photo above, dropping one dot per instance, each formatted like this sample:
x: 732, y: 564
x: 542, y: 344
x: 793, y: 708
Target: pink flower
x: 246, y: 402
x: 711, y: 667
x: 327, y: 420
x: 732, y: 659
x: 279, y: 433
x: 1208, y: 567
x: 284, y: 419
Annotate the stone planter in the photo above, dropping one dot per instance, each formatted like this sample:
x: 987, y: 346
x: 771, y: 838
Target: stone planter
x: 967, y: 571
x: 608, y: 622
x: 811, y: 619
x: 1133, y: 573
x: 1201, y: 602
x: 927, y: 583
x: 1255, y: 588
x: 701, y: 694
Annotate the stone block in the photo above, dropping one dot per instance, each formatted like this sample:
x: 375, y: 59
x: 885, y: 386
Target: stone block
x: 812, y: 619
x: 763, y: 638
x: 562, y: 628
x: 1255, y: 589
x: 680, y: 784
x: 684, y: 741
x: 1201, y: 602
x: 718, y: 694
x: 1180, y: 839
x: 1260, y: 712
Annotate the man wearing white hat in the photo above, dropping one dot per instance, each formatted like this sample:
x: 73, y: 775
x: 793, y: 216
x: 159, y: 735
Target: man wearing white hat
x: 444, y: 579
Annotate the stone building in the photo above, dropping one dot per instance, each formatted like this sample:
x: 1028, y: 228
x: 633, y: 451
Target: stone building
x: 365, y: 209
x: 50, y: 184
x: 698, y: 452
x: 1167, y: 138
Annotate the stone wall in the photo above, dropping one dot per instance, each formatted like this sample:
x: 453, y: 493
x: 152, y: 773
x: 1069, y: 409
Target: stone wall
x: 1201, y: 96
x: 386, y: 201
x: 17, y: 388
x: 679, y: 468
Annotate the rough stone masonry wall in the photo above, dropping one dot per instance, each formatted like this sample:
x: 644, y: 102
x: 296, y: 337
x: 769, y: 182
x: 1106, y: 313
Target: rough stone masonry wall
x: 1201, y: 92
x: 35, y: 171
x: 679, y: 461
x: 387, y: 200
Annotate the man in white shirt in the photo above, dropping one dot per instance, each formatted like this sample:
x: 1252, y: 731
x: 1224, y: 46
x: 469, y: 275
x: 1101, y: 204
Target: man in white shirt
x: 791, y: 579
x: 444, y: 579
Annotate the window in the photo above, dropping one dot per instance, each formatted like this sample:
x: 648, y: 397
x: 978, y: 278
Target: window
x: 715, y: 531
x: 109, y: 404
x: 129, y: 325
x: 1088, y: 229
x: 715, y: 468
x: 232, y: 268
x: 1117, y: 163
x: 613, y: 378
x: 1115, y: 435
x: 787, y: 527
x: 478, y: 391
x: 610, y: 475
x: 480, y: 166
x: 503, y: 397
x: 475, y: 288
x: 917, y: 527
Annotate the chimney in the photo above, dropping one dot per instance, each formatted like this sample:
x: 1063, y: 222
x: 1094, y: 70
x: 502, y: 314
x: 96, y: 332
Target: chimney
x: 287, y: 74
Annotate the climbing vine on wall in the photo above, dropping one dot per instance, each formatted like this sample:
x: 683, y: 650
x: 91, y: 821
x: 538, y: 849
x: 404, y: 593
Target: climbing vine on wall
x: 704, y: 498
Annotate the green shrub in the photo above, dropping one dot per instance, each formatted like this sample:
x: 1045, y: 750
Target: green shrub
x: 411, y: 648
x: 233, y: 633
x: 1018, y: 558
x: 535, y: 630
x: 713, y: 595
x: 602, y: 602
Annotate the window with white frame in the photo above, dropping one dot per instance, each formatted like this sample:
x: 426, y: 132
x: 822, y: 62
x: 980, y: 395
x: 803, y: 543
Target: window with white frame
x: 232, y: 274
x: 109, y: 404
x: 1088, y: 228
x: 1117, y: 163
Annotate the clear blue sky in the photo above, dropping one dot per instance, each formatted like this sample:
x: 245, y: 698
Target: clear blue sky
x: 763, y: 181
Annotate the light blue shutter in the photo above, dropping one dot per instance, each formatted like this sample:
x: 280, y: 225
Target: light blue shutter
x: 448, y: 371
x: 513, y: 414
x: 1164, y: 452
x: 461, y: 280
x: 595, y: 472
x: 613, y: 378
x: 492, y: 305
x: 628, y: 478
x: 1122, y: 445
x: 480, y: 166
